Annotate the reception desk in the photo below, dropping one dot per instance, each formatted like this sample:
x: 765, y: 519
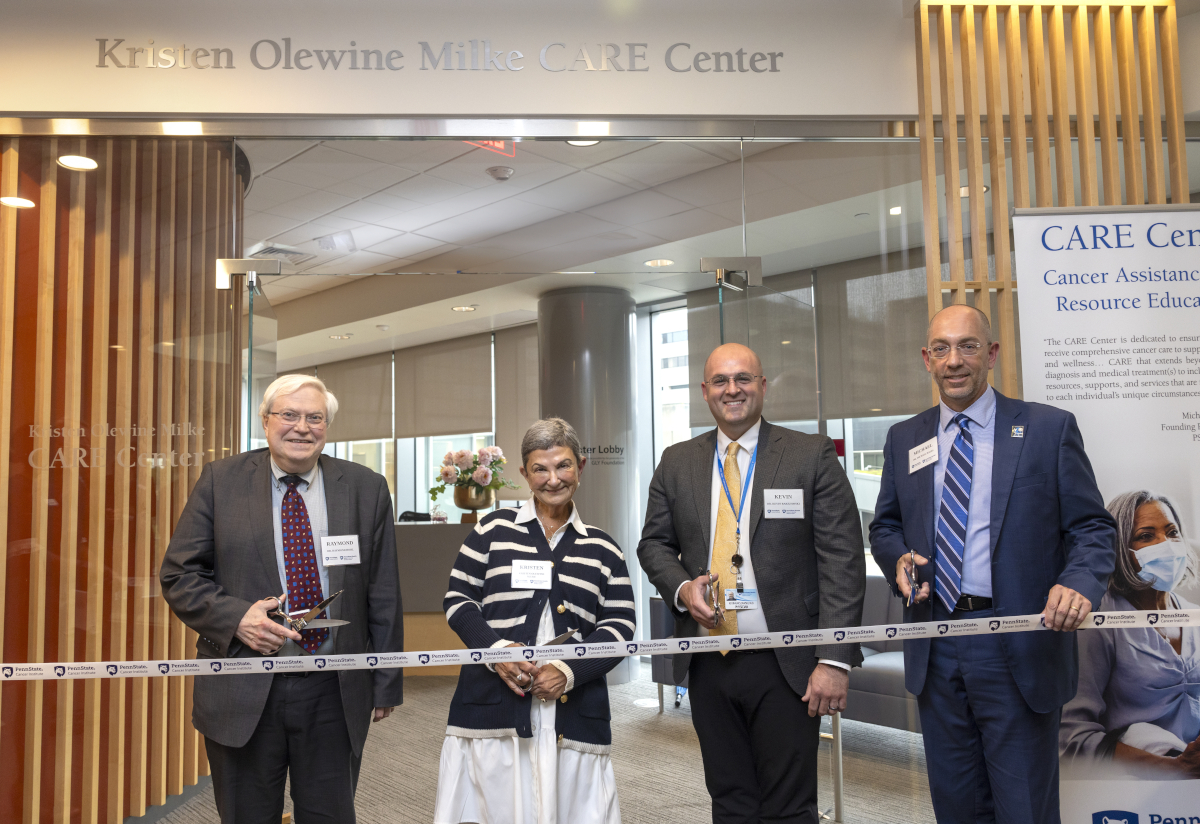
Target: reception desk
x: 425, y: 553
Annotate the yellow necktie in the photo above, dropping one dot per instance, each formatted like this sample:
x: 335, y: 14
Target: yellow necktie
x: 725, y: 545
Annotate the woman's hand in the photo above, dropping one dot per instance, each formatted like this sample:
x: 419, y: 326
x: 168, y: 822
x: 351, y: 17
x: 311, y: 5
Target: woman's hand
x: 1188, y: 761
x: 518, y: 676
x: 549, y: 683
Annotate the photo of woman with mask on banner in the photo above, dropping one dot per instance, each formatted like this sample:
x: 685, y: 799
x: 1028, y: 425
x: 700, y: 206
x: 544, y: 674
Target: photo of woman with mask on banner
x: 1138, y: 705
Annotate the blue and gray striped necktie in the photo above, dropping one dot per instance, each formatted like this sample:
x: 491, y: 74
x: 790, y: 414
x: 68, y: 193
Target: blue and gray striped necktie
x: 952, y: 515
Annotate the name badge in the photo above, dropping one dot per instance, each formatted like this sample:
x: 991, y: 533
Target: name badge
x: 339, y: 550
x: 922, y: 455
x: 530, y: 575
x: 746, y: 599
x: 783, y: 503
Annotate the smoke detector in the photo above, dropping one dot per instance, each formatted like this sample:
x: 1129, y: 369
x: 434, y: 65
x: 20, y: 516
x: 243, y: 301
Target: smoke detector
x: 278, y: 251
x: 500, y: 172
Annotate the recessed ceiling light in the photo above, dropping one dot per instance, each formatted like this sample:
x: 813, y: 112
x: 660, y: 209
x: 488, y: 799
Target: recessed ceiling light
x: 785, y: 342
x: 965, y: 191
x: 346, y: 336
x: 582, y: 142
x: 77, y: 162
x: 17, y: 202
x: 168, y: 343
x: 895, y: 210
x: 182, y: 127
x: 876, y: 410
x: 118, y: 347
x: 470, y: 308
x: 660, y: 262
x: 500, y: 172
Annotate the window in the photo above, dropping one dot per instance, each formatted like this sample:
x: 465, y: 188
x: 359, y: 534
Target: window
x: 378, y: 456
x: 430, y: 452
x: 669, y: 346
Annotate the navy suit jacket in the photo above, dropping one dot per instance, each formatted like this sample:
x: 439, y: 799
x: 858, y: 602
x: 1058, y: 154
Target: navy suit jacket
x: 1049, y: 526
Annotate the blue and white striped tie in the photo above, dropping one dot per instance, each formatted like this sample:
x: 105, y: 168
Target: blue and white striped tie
x: 952, y: 516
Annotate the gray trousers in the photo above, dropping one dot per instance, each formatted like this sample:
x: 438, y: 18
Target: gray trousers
x: 302, y: 731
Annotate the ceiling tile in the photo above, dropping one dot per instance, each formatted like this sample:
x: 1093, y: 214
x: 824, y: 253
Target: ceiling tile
x: 417, y: 155
x: 583, y: 157
x: 481, y: 224
x: 368, y: 184
x: 720, y: 183
x: 553, y: 232
x: 264, y: 155
x: 258, y: 226
x: 687, y: 224
x: 763, y: 205
x: 406, y: 246
x: 657, y: 164
x: 425, y: 189
x: 309, y: 206
x: 323, y: 166
x: 267, y: 192
x: 639, y: 207
x: 353, y: 264
x: 576, y: 191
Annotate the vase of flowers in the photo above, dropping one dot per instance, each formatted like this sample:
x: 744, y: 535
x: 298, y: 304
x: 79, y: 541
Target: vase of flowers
x: 475, y: 477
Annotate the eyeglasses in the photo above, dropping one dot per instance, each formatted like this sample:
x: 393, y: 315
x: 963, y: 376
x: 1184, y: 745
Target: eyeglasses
x: 967, y: 350
x: 742, y: 379
x: 315, y: 420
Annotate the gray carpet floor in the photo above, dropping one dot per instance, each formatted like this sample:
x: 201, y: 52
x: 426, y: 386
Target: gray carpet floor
x: 656, y: 759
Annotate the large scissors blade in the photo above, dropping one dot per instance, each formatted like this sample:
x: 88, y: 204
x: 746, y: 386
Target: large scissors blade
x: 561, y: 639
x: 325, y: 623
x: 308, y: 617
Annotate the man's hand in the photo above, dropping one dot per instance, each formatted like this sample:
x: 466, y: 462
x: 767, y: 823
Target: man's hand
x: 382, y: 713
x: 1065, y: 609
x: 905, y: 563
x: 1188, y: 761
x: 549, y: 683
x: 694, y: 597
x: 259, y: 632
x: 518, y: 676
x: 826, y: 693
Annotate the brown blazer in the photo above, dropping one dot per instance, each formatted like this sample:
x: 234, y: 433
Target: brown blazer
x: 222, y: 559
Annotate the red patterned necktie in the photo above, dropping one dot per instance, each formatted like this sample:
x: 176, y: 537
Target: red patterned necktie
x: 300, y: 561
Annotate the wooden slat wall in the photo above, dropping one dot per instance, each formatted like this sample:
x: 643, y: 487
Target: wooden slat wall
x: 132, y: 361
x: 1131, y: 94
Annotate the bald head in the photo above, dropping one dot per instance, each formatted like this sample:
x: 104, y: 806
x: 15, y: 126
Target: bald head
x: 958, y: 314
x: 732, y: 353
x: 734, y: 388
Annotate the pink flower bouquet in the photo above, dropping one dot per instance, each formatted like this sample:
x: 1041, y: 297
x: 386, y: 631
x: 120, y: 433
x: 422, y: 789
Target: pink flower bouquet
x: 481, y: 470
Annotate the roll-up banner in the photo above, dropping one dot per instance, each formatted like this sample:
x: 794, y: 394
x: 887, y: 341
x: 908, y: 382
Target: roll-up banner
x: 1110, y: 330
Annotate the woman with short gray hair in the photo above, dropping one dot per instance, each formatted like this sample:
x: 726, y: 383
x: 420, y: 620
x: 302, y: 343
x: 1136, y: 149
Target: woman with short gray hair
x: 1138, y: 703
x: 535, y: 576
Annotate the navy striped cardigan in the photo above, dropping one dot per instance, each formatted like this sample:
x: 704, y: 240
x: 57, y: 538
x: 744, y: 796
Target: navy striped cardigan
x: 590, y: 592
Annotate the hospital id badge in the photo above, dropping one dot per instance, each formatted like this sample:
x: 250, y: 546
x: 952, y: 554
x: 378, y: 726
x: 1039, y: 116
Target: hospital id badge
x: 531, y: 574
x: 339, y: 550
x: 746, y: 599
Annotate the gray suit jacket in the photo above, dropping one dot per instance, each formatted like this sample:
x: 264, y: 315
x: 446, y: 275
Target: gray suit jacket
x: 811, y: 573
x: 222, y: 559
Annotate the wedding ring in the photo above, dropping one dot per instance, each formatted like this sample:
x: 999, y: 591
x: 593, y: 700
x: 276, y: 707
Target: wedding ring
x: 1074, y: 609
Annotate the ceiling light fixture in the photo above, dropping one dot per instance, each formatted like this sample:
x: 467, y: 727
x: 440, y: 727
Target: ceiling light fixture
x: 785, y: 342
x: 582, y: 142
x: 17, y: 202
x: 660, y: 262
x: 182, y: 128
x: 382, y: 327
x: 470, y: 308
x: 77, y: 163
x: 345, y: 336
x: 500, y: 173
x: 876, y: 410
x: 895, y: 210
x: 965, y: 191
x: 569, y: 272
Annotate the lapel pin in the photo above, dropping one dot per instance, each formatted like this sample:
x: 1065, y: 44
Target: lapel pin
x: 1018, y: 432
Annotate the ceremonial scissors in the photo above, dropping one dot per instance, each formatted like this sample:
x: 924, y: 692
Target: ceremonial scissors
x: 309, y: 619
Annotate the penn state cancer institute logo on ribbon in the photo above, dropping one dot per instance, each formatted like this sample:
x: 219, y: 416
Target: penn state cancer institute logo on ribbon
x: 1097, y: 620
x: 1114, y: 817
x: 60, y: 671
x: 580, y: 651
x: 373, y: 661
x: 423, y: 658
x: 8, y: 671
x: 631, y: 648
x: 112, y: 669
x: 216, y: 666
x: 268, y: 665
x: 164, y: 668
x: 528, y: 653
x: 1152, y: 617
x: 943, y: 629
x: 993, y: 625
x: 684, y: 646
x: 735, y: 642
x: 788, y: 638
x: 839, y: 635
x: 475, y: 656
x: 890, y: 632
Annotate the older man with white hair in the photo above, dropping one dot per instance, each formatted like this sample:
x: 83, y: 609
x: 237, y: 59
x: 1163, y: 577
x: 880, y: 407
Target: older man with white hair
x: 258, y: 533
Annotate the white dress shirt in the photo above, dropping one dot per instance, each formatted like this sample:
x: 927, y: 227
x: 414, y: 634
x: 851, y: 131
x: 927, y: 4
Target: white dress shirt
x: 750, y: 621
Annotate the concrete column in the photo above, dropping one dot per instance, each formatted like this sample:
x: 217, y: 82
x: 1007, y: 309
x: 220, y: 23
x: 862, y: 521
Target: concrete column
x: 586, y: 345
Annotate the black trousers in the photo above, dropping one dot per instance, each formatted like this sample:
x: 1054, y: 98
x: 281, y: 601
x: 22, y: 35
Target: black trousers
x: 302, y: 729
x: 757, y: 740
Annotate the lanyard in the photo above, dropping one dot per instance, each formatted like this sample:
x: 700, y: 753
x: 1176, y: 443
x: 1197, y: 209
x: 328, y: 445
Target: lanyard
x: 741, y: 501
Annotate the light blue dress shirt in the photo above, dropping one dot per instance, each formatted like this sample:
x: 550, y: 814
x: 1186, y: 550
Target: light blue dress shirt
x: 312, y: 492
x: 977, y: 555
